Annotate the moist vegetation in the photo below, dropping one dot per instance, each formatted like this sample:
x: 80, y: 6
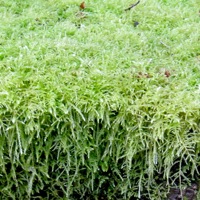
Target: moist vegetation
x: 99, y: 102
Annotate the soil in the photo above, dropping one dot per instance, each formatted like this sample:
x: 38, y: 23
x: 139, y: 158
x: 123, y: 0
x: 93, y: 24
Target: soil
x: 189, y: 193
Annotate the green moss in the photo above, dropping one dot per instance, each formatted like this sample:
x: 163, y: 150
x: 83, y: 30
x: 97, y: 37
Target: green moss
x: 92, y: 106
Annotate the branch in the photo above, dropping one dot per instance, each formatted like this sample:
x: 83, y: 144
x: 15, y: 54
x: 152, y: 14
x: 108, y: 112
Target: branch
x: 132, y: 5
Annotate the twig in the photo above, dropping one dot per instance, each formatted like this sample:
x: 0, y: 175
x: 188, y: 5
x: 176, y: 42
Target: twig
x: 164, y: 44
x: 132, y: 5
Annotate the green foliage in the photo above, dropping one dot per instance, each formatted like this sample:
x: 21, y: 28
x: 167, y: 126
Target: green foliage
x: 86, y: 110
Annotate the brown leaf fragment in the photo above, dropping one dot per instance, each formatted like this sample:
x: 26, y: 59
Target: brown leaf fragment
x: 82, y: 5
x: 167, y: 73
